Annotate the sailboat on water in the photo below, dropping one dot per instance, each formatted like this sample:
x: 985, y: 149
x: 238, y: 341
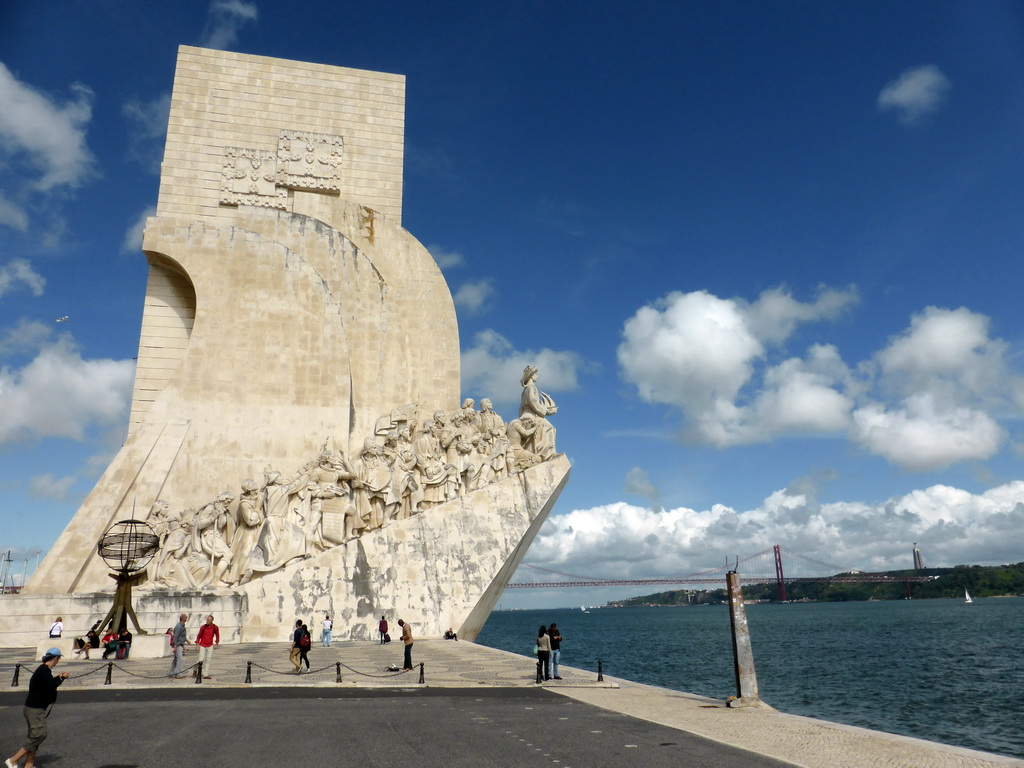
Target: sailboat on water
x: 967, y: 597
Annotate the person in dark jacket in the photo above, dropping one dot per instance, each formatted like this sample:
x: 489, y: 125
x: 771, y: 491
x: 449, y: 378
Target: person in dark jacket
x: 42, y: 693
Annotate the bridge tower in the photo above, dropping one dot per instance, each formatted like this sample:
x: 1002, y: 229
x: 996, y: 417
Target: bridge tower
x: 780, y: 579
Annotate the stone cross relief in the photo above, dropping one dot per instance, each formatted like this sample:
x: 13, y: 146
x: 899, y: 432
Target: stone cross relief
x: 404, y: 469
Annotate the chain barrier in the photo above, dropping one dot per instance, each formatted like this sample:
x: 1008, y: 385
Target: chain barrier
x: 109, y: 667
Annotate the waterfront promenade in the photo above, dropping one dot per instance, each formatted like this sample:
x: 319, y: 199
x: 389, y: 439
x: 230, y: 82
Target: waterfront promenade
x: 477, y: 707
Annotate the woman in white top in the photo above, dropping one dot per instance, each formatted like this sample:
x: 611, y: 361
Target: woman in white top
x: 58, y: 628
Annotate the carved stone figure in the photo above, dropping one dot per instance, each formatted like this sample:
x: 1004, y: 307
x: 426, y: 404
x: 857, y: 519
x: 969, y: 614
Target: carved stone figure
x: 540, y: 406
x: 521, y: 434
x: 487, y: 418
x: 373, y: 496
x: 249, y: 520
x: 212, y: 530
x: 281, y: 539
x: 431, y: 467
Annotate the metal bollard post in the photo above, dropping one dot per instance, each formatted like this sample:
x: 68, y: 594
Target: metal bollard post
x: 742, y: 653
x: 248, y: 671
x: 110, y: 671
x: 600, y: 671
x: 17, y: 671
x: 540, y: 676
x: 337, y: 671
x: 421, y: 673
x: 199, y: 674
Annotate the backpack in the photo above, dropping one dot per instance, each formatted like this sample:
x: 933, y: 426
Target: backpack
x: 304, y: 641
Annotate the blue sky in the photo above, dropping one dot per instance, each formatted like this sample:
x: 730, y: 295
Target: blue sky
x: 765, y: 255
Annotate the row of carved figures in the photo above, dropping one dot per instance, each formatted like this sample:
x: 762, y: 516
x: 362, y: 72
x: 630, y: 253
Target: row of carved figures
x: 402, y: 471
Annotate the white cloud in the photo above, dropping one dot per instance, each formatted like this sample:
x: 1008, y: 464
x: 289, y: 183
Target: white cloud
x: 225, y: 19
x: 47, y: 486
x: 445, y: 257
x: 492, y: 368
x: 49, y: 134
x: 472, y: 296
x: 920, y: 436
x: 624, y: 541
x: 916, y: 93
x: 697, y: 352
x: 58, y: 394
x: 132, y: 242
x: 932, y: 397
x: 12, y: 215
x: 148, y: 123
x: 19, y: 272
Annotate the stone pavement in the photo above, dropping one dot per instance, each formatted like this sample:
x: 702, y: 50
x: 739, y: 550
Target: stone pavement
x: 462, y: 665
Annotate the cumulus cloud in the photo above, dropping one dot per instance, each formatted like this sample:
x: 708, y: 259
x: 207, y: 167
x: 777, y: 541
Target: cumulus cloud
x: 492, y: 368
x: 930, y: 398
x: 916, y: 93
x: 147, y: 121
x: 697, y: 352
x: 445, y: 257
x: 225, y: 19
x: 919, y: 435
x: 49, y: 135
x: 19, y: 272
x: 624, y: 541
x: 58, y: 394
x: 473, y: 296
x: 132, y: 242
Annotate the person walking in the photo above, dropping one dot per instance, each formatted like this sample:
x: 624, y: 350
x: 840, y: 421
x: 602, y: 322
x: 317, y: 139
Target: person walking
x: 42, y: 694
x: 556, y: 649
x: 383, y: 629
x: 305, y: 641
x: 293, y: 657
x: 57, y: 628
x: 179, y: 639
x: 407, y: 641
x: 325, y: 634
x: 207, y: 639
x: 543, y: 653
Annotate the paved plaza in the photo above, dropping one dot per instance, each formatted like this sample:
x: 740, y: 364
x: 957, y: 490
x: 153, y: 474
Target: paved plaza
x: 476, y: 707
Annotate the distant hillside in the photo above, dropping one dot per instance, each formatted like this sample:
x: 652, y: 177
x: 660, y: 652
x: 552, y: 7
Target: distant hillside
x: 979, y: 580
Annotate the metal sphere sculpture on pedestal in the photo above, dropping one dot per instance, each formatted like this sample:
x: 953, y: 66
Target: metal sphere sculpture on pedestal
x: 127, y: 547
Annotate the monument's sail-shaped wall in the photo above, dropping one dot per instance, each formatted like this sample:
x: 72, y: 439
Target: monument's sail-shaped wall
x: 286, y: 314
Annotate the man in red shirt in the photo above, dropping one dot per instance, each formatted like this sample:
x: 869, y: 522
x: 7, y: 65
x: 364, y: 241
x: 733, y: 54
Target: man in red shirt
x: 207, y: 639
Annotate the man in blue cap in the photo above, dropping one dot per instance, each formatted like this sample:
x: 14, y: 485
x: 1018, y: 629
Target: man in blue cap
x: 42, y: 693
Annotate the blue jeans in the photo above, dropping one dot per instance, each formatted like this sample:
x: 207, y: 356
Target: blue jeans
x: 326, y: 638
x: 176, y: 660
x: 554, y: 660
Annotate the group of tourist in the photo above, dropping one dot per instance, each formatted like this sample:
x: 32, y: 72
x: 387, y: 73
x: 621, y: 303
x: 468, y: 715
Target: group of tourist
x: 549, y: 651
x: 404, y: 470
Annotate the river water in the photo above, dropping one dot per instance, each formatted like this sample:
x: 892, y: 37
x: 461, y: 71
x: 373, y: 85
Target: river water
x: 935, y: 669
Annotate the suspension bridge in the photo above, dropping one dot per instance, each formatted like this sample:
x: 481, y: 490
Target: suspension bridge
x: 766, y: 567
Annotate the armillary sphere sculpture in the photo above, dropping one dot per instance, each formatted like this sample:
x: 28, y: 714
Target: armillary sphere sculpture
x: 127, y: 547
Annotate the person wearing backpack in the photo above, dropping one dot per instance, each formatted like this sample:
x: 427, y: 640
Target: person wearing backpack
x: 305, y: 642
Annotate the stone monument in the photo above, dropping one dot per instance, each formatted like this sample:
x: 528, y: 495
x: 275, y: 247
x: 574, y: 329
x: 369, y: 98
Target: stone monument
x: 296, y: 431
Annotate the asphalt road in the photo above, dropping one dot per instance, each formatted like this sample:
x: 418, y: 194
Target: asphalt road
x: 322, y: 727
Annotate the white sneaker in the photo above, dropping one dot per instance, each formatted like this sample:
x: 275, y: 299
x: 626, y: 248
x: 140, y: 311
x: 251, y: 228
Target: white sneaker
x: 9, y: 764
